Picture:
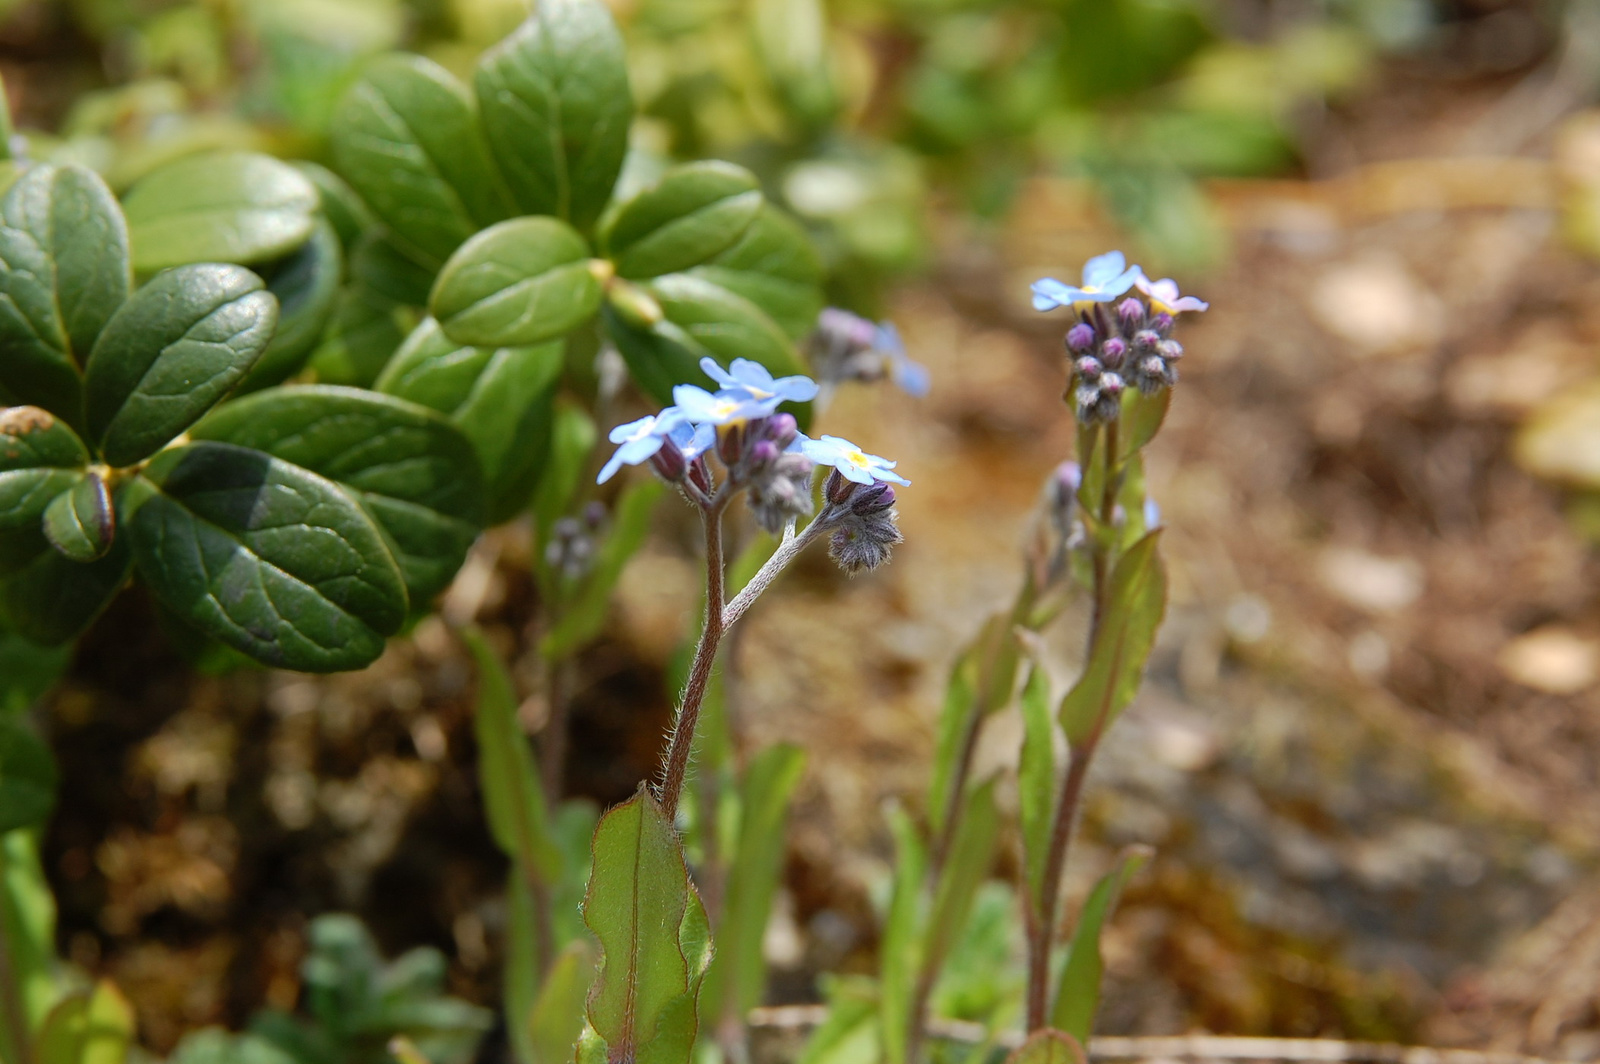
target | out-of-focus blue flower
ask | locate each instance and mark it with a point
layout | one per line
(1152, 515)
(640, 440)
(1164, 297)
(1105, 277)
(727, 406)
(851, 462)
(910, 375)
(755, 379)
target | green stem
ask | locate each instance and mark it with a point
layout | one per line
(15, 1021)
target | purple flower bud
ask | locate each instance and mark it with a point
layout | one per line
(1112, 384)
(730, 443)
(763, 452)
(1080, 338)
(1131, 312)
(594, 515)
(700, 475)
(1113, 350)
(871, 499)
(1171, 350)
(1145, 340)
(782, 429)
(1088, 367)
(1162, 323)
(1069, 475)
(836, 489)
(669, 462)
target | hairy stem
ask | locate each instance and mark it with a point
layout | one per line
(675, 760)
(793, 543)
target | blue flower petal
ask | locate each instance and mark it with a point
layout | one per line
(1102, 268)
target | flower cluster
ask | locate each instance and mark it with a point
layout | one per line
(1113, 348)
(848, 347)
(763, 451)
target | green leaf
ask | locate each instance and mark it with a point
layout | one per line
(980, 683)
(1049, 1047)
(51, 600)
(557, 108)
(63, 272)
(774, 266)
(40, 457)
(900, 950)
(572, 438)
(693, 213)
(340, 205)
(415, 474)
(654, 940)
(236, 206)
(1136, 601)
(850, 1033)
(92, 1026)
(500, 398)
(306, 285)
(79, 522)
(517, 283)
(406, 138)
(556, 1019)
(171, 353)
(213, 1045)
(366, 330)
(27, 923)
(1078, 996)
(381, 266)
(972, 852)
(583, 619)
(1142, 416)
(1036, 782)
(27, 777)
(738, 976)
(269, 558)
(27, 671)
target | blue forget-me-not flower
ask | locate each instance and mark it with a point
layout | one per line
(640, 440)
(757, 381)
(1105, 277)
(851, 461)
(1164, 297)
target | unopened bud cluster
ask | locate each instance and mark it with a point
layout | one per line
(571, 548)
(866, 525)
(1111, 352)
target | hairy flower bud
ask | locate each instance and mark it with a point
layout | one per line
(1131, 313)
(1112, 350)
(864, 542)
(1145, 340)
(782, 429)
(1171, 350)
(781, 491)
(1162, 323)
(669, 462)
(763, 453)
(872, 498)
(1112, 384)
(1080, 338)
(836, 489)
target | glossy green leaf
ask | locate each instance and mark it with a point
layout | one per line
(27, 777)
(235, 206)
(581, 622)
(63, 272)
(340, 205)
(51, 600)
(774, 266)
(900, 949)
(79, 522)
(91, 1026)
(654, 939)
(405, 136)
(171, 353)
(1049, 1047)
(267, 557)
(366, 330)
(556, 1019)
(306, 285)
(500, 398)
(693, 213)
(971, 856)
(40, 457)
(382, 266)
(415, 474)
(27, 923)
(1136, 601)
(517, 283)
(1078, 995)
(738, 976)
(27, 670)
(1036, 778)
(557, 108)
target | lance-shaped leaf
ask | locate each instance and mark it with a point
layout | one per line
(90, 1026)
(408, 465)
(267, 557)
(500, 398)
(654, 939)
(40, 457)
(51, 600)
(517, 283)
(693, 213)
(306, 285)
(1049, 1047)
(582, 620)
(737, 977)
(966, 866)
(79, 522)
(1078, 995)
(900, 950)
(1036, 779)
(235, 206)
(1136, 601)
(406, 137)
(63, 272)
(28, 922)
(850, 1034)
(980, 683)
(171, 353)
(556, 109)
(27, 776)
(774, 266)
(1142, 418)
(556, 1019)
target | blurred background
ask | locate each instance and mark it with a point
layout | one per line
(1368, 753)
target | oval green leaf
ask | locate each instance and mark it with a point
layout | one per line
(366, 329)
(27, 777)
(51, 600)
(556, 109)
(517, 283)
(266, 557)
(306, 285)
(774, 266)
(79, 522)
(171, 353)
(234, 206)
(40, 457)
(413, 471)
(406, 138)
(691, 214)
(380, 265)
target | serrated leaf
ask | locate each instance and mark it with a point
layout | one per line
(556, 109)
(408, 465)
(405, 136)
(171, 353)
(51, 600)
(900, 950)
(1049, 1047)
(738, 976)
(63, 272)
(79, 522)
(306, 285)
(652, 932)
(1036, 778)
(93, 1026)
(971, 856)
(500, 398)
(40, 457)
(517, 283)
(556, 1019)
(27, 777)
(693, 213)
(267, 557)
(236, 206)
(585, 616)
(1078, 995)
(1136, 601)
(774, 266)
